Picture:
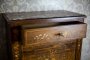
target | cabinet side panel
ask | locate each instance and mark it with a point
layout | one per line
(3, 40)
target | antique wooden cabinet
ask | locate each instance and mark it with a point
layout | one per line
(45, 35)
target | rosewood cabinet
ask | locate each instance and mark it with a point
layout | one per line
(45, 35)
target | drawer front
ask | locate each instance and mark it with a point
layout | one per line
(45, 37)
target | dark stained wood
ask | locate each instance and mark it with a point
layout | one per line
(5, 52)
(28, 28)
(45, 21)
(22, 18)
(3, 47)
(42, 15)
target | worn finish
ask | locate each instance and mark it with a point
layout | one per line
(18, 19)
(43, 37)
(42, 14)
(56, 35)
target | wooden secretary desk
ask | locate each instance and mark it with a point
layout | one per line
(45, 35)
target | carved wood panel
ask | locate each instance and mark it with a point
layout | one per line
(65, 51)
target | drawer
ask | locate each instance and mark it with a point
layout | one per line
(35, 38)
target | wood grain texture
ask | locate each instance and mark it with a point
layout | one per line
(43, 37)
(78, 49)
(66, 51)
(46, 35)
(45, 40)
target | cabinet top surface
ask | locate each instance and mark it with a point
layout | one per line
(41, 15)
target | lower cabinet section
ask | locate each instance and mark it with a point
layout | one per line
(66, 51)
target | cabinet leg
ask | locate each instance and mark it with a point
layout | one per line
(78, 49)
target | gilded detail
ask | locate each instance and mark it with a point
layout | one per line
(16, 51)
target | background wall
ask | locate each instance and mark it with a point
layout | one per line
(80, 6)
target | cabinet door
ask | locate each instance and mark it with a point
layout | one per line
(64, 51)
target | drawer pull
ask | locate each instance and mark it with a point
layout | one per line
(59, 34)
